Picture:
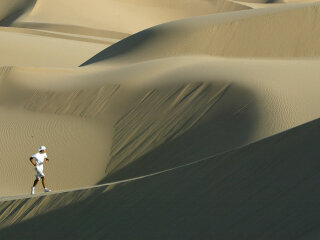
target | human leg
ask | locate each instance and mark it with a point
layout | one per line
(44, 185)
(43, 182)
(35, 182)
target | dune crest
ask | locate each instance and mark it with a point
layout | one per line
(263, 33)
(184, 119)
(257, 178)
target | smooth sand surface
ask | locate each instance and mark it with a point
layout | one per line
(267, 190)
(205, 111)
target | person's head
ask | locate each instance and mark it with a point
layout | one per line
(42, 149)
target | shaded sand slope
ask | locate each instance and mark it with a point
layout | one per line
(256, 103)
(131, 124)
(267, 190)
(286, 31)
(146, 109)
(26, 95)
(117, 119)
(10, 10)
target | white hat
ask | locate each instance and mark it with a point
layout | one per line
(42, 148)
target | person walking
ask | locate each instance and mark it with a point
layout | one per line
(38, 160)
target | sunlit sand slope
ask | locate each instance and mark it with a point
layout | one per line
(267, 190)
(283, 32)
(184, 119)
(122, 16)
(129, 124)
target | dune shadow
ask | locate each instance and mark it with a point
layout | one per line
(229, 123)
(122, 47)
(8, 20)
(267, 190)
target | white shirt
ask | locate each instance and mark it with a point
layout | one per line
(40, 157)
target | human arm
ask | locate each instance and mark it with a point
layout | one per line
(32, 161)
(47, 159)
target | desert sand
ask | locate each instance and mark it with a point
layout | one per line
(185, 119)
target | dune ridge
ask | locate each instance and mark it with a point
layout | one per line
(271, 189)
(186, 119)
(252, 108)
(225, 35)
(11, 10)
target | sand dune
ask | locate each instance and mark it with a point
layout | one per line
(270, 3)
(37, 50)
(62, 32)
(235, 194)
(114, 15)
(263, 33)
(11, 10)
(207, 112)
(226, 109)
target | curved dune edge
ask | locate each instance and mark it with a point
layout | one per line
(135, 15)
(66, 34)
(11, 10)
(99, 22)
(225, 199)
(203, 127)
(251, 107)
(278, 32)
(203, 108)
